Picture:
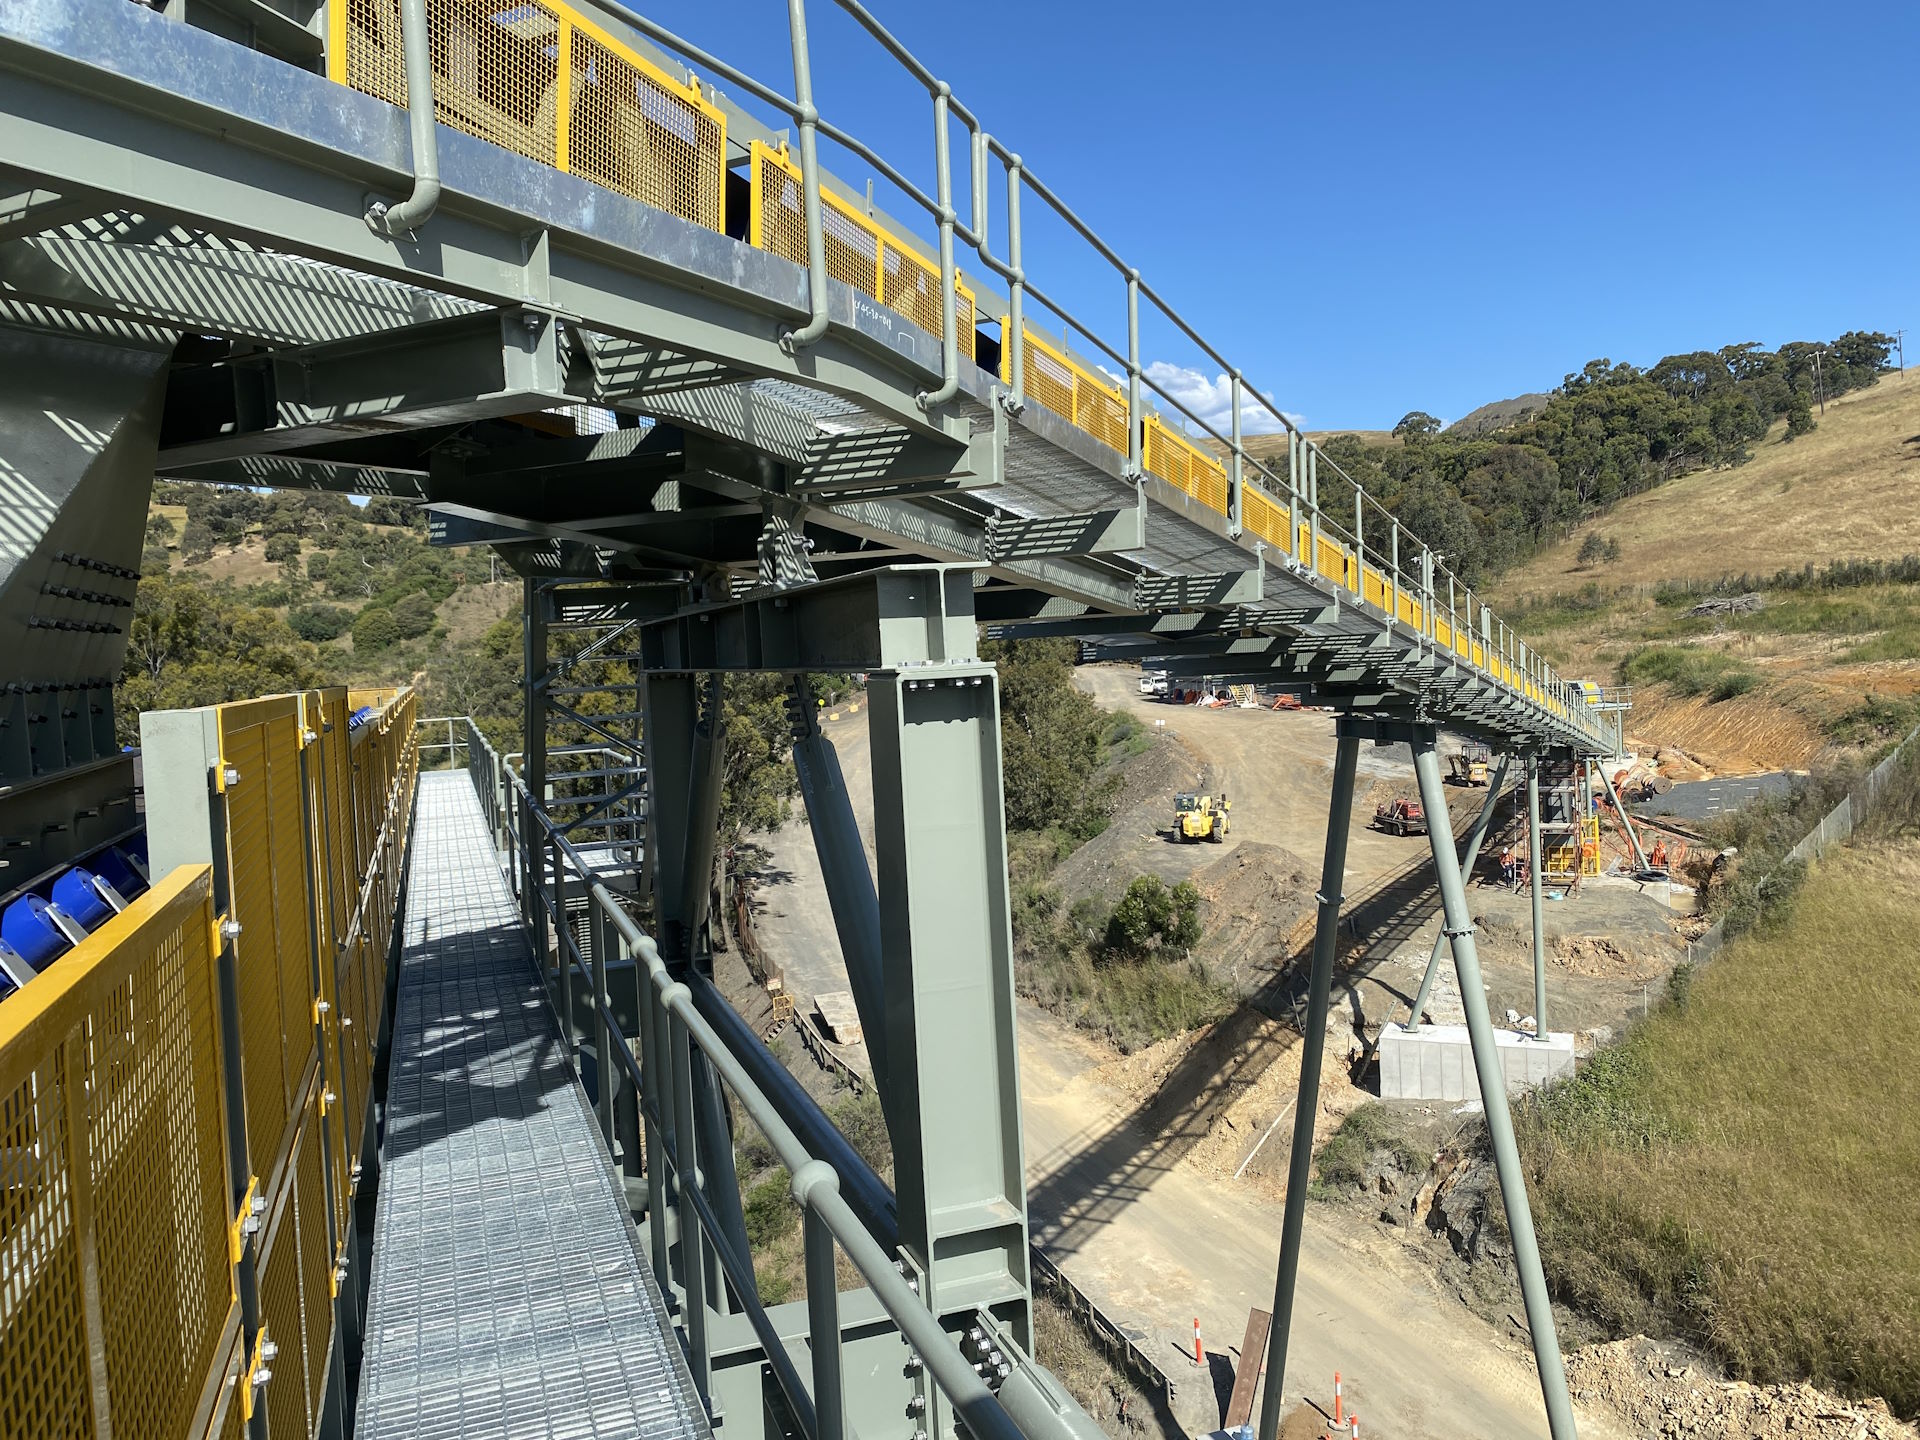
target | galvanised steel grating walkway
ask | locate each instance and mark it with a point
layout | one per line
(509, 1296)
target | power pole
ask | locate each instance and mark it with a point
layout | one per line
(1819, 390)
(1900, 344)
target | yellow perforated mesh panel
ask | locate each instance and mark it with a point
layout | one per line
(316, 1259)
(636, 132)
(285, 1393)
(243, 745)
(1260, 515)
(607, 115)
(1069, 391)
(1183, 465)
(43, 1360)
(292, 923)
(858, 251)
(111, 1122)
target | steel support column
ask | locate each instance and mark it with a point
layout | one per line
(1326, 931)
(684, 755)
(946, 938)
(1626, 820)
(843, 865)
(1474, 841)
(1533, 891)
(1493, 1092)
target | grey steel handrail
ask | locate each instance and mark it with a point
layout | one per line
(422, 122)
(1423, 576)
(672, 1019)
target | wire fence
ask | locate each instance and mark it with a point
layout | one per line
(1836, 827)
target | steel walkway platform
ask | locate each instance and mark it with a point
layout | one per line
(509, 1296)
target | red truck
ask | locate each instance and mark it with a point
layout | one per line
(1402, 817)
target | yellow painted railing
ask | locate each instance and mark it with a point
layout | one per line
(544, 81)
(1067, 388)
(859, 252)
(1183, 465)
(113, 1217)
(118, 1235)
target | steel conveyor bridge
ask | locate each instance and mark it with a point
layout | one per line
(603, 307)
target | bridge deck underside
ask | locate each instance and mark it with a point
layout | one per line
(509, 1297)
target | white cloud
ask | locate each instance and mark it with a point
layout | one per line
(1212, 400)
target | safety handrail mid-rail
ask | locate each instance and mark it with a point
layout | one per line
(671, 1023)
(1491, 644)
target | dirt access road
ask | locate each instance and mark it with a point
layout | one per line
(1156, 1242)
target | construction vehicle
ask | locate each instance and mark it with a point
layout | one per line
(1401, 817)
(1201, 817)
(1469, 765)
(1153, 682)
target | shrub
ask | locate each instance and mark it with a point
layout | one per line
(374, 629)
(1150, 917)
(1343, 1160)
(413, 616)
(196, 542)
(283, 547)
(319, 623)
(1689, 670)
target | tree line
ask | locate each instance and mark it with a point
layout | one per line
(1489, 501)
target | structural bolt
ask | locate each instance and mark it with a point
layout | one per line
(322, 1006)
(916, 1403)
(229, 929)
(269, 1350)
(261, 1377)
(232, 776)
(914, 1362)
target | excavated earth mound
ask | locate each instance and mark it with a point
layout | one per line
(1662, 1394)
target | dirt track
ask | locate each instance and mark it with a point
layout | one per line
(1154, 1238)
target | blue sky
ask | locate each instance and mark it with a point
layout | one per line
(1373, 208)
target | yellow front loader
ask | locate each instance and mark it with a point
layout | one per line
(1201, 817)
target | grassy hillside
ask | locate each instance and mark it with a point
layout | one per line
(1737, 1171)
(247, 593)
(1850, 489)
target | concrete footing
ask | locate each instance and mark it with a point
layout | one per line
(1435, 1062)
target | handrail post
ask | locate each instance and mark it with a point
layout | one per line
(1294, 443)
(949, 303)
(1359, 543)
(1236, 521)
(809, 116)
(1313, 505)
(693, 1245)
(823, 1301)
(1014, 341)
(1393, 615)
(1135, 433)
(417, 53)
(599, 933)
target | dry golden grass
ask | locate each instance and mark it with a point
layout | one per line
(471, 610)
(1849, 490)
(244, 566)
(1739, 1170)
